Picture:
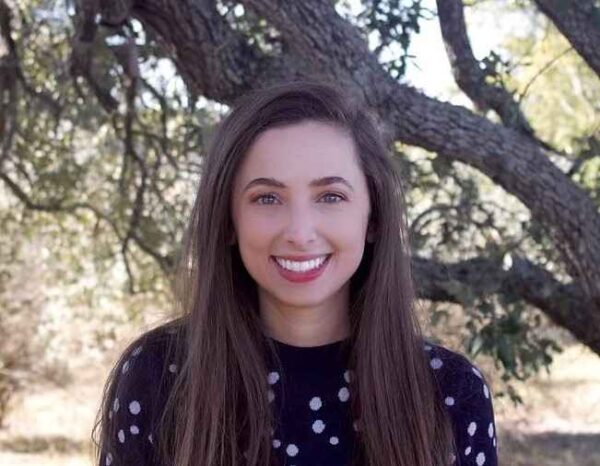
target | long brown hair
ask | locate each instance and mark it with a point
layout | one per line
(217, 412)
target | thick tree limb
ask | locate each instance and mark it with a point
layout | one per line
(579, 22)
(217, 62)
(12, 81)
(9, 64)
(467, 72)
(82, 57)
(316, 33)
(536, 286)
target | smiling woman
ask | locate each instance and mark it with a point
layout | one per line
(320, 210)
(297, 341)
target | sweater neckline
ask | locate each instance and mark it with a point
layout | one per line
(312, 357)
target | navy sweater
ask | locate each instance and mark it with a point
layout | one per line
(311, 398)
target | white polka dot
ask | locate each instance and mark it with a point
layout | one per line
(344, 394)
(347, 376)
(334, 440)
(427, 347)
(315, 403)
(137, 351)
(291, 450)
(472, 428)
(480, 458)
(318, 426)
(452, 458)
(276, 443)
(121, 436)
(150, 438)
(270, 395)
(494, 441)
(476, 372)
(486, 392)
(273, 377)
(449, 401)
(125, 367)
(436, 363)
(134, 407)
(109, 459)
(491, 430)
(173, 368)
(467, 451)
(134, 429)
(116, 405)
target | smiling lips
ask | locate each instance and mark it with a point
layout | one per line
(301, 271)
(304, 264)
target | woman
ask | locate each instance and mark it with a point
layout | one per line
(297, 341)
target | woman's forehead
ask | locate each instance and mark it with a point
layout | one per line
(302, 150)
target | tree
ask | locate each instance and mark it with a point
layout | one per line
(97, 82)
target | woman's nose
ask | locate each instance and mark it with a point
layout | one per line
(300, 227)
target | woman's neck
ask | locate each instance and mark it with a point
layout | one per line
(306, 326)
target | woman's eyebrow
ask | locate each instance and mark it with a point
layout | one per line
(318, 182)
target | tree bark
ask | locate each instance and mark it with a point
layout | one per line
(217, 62)
(536, 286)
(579, 22)
(317, 34)
(468, 74)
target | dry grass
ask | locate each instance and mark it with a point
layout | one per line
(558, 426)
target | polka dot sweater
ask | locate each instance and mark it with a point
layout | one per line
(310, 395)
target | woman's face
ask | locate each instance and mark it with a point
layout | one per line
(300, 192)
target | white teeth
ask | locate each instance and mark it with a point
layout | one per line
(301, 266)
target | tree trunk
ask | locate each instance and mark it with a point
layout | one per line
(217, 62)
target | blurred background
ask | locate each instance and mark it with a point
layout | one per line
(105, 111)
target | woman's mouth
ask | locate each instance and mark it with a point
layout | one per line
(301, 271)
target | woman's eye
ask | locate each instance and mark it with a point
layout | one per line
(341, 198)
(266, 199)
(264, 196)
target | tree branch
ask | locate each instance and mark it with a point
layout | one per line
(318, 35)
(579, 22)
(9, 64)
(468, 74)
(81, 61)
(218, 63)
(536, 286)
(166, 263)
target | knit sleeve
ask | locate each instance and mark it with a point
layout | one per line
(468, 400)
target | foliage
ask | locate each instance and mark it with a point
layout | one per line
(111, 188)
(388, 26)
(21, 300)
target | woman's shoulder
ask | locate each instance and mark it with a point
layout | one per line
(468, 399)
(450, 364)
(150, 355)
(458, 377)
(146, 369)
(155, 342)
(140, 383)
